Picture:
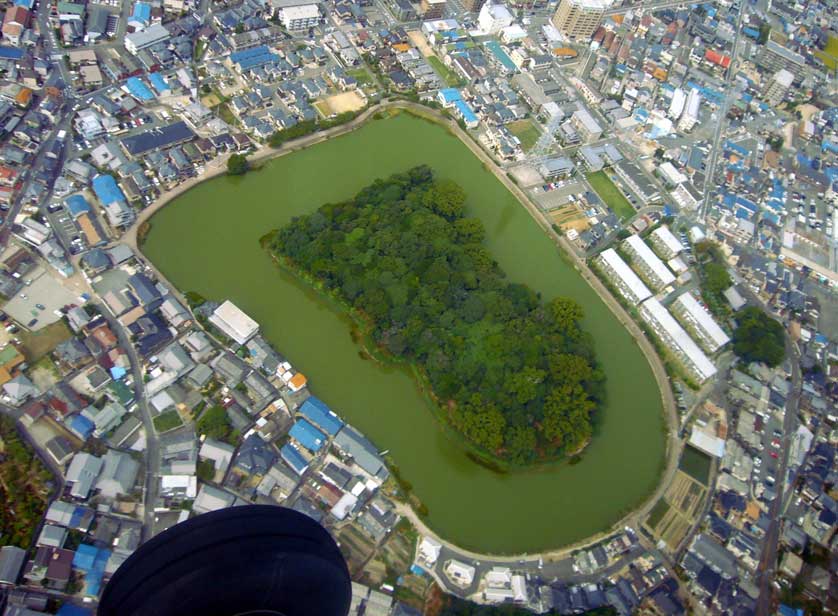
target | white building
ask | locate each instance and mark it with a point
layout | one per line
(691, 108)
(696, 318)
(459, 573)
(233, 322)
(665, 242)
(303, 17)
(502, 586)
(622, 276)
(137, 41)
(709, 444)
(179, 486)
(212, 499)
(676, 105)
(585, 124)
(119, 473)
(678, 340)
(671, 175)
(83, 471)
(429, 550)
(493, 18)
(655, 270)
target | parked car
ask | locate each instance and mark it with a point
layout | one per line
(40, 307)
(32, 323)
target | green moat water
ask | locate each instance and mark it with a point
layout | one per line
(207, 240)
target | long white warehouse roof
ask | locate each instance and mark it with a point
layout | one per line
(668, 239)
(639, 290)
(232, 321)
(660, 315)
(704, 320)
(651, 260)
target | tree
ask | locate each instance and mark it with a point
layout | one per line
(446, 198)
(764, 33)
(566, 312)
(206, 470)
(775, 142)
(237, 164)
(758, 337)
(716, 278)
(412, 270)
(215, 423)
(520, 444)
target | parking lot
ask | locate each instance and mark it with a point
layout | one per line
(38, 303)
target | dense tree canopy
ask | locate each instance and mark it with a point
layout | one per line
(758, 337)
(515, 376)
(215, 423)
(237, 164)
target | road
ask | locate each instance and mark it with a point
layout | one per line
(768, 562)
(152, 451)
(709, 179)
(656, 5)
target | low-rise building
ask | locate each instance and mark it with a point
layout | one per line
(697, 319)
(233, 322)
(647, 262)
(676, 339)
(665, 242)
(621, 276)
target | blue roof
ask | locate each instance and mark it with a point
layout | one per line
(117, 372)
(11, 53)
(465, 111)
(255, 56)
(501, 55)
(142, 12)
(139, 89)
(85, 557)
(449, 95)
(158, 83)
(107, 190)
(293, 458)
(68, 609)
(307, 435)
(729, 145)
(78, 514)
(81, 425)
(316, 411)
(77, 205)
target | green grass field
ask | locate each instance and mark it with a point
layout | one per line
(361, 75)
(830, 54)
(450, 77)
(526, 131)
(38, 343)
(167, 421)
(696, 464)
(610, 194)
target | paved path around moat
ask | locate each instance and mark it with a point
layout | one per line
(673, 445)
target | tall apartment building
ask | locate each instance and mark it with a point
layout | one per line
(585, 124)
(578, 19)
(777, 87)
(432, 9)
(775, 55)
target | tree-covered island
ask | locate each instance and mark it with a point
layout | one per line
(515, 376)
